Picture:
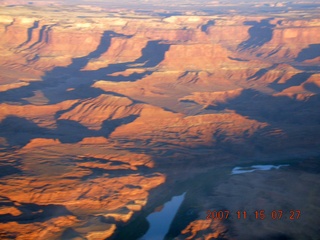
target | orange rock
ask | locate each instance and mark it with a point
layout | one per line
(38, 142)
(7, 87)
(206, 229)
(97, 235)
(44, 116)
(94, 140)
(10, 210)
(212, 98)
(92, 112)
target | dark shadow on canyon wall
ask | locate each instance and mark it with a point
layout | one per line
(311, 52)
(31, 212)
(273, 109)
(43, 36)
(295, 80)
(152, 54)
(108, 126)
(20, 131)
(297, 120)
(78, 63)
(97, 172)
(55, 84)
(260, 73)
(260, 33)
(312, 87)
(70, 233)
(7, 170)
(29, 33)
(205, 27)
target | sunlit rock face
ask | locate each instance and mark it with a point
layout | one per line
(109, 112)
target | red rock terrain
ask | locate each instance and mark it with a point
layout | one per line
(105, 113)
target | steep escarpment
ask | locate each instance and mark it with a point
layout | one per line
(54, 38)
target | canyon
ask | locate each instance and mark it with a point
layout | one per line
(107, 111)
